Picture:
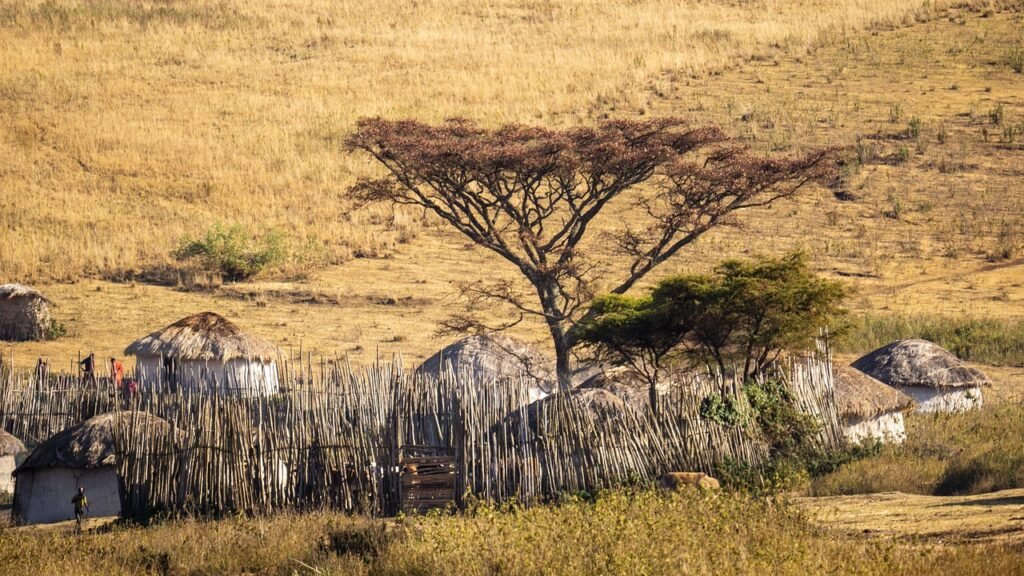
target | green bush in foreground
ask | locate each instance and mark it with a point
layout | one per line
(619, 532)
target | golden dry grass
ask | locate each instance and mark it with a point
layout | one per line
(617, 533)
(991, 517)
(128, 126)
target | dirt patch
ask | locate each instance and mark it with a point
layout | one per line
(994, 517)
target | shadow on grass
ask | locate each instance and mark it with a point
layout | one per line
(997, 501)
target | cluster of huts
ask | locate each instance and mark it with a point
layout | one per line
(206, 352)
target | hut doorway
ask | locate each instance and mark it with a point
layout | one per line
(170, 373)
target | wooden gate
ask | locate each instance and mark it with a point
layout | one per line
(427, 478)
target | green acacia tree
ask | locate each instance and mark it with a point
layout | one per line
(754, 310)
(745, 313)
(639, 332)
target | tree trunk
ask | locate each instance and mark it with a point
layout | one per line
(562, 349)
(652, 393)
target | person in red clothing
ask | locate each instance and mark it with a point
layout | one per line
(117, 372)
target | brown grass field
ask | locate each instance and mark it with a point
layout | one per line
(126, 128)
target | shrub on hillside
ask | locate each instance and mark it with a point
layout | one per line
(233, 251)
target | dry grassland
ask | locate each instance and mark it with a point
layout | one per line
(617, 533)
(127, 126)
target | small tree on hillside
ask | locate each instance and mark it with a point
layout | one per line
(638, 332)
(747, 312)
(531, 194)
(750, 312)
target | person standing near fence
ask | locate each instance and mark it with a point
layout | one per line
(42, 371)
(117, 373)
(88, 365)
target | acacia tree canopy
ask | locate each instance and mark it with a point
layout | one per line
(637, 331)
(531, 194)
(746, 312)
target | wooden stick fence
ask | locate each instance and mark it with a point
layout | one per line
(337, 438)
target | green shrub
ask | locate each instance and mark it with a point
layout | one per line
(785, 429)
(233, 251)
(55, 330)
(914, 128)
(722, 409)
(996, 114)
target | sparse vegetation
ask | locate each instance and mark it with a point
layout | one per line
(1015, 58)
(232, 250)
(981, 340)
(945, 454)
(618, 532)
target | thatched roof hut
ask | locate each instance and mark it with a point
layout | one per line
(861, 397)
(83, 455)
(10, 447)
(89, 444)
(623, 382)
(498, 357)
(206, 351)
(867, 408)
(920, 363)
(936, 379)
(593, 406)
(24, 313)
(204, 337)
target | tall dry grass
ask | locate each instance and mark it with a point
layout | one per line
(618, 533)
(970, 453)
(128, 125)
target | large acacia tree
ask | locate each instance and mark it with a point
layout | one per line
(531, 195)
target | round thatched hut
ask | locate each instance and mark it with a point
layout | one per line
(589, 407)
(496, 357)
(206, 352)
(84, 455)
(868, 409)
(10, 447)
(24, 313)
(934, 378)
(627, 384)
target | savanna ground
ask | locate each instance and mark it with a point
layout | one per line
(126, 126)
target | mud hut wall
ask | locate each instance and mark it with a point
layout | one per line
(7, 466)
(887, 427)
(944, 399)
(236, 376)
(43, 495)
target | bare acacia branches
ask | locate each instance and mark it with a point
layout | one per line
(530, 194)
(700, 195)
